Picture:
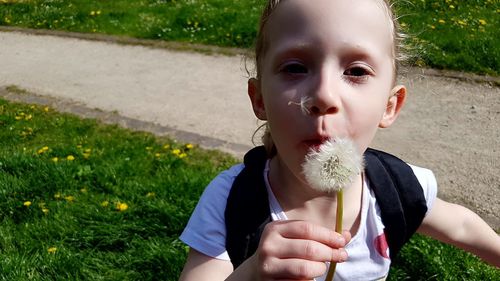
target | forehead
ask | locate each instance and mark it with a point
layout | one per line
(363, 23)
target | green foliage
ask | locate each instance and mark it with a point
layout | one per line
(451, 34)
(84, 201)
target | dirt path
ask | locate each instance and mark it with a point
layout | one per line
(449, 125)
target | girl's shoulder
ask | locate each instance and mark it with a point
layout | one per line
(206, 229)
(428, 182)
(224, 180)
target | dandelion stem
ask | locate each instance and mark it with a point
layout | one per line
(338, 228)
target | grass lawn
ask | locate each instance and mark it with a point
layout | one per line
(80, 200)
(448, 34)
(85, 201)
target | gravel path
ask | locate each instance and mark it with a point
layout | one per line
(450, 125)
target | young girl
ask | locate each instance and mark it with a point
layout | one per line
(326, 69)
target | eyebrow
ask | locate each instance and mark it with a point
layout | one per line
(347, 51)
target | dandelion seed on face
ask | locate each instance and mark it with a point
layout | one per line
(304, 105)
(334, 166)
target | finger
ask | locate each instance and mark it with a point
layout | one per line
(347, 235)
(307, 250)
(309, 231)
(295, 269)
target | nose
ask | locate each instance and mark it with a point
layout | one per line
(324, 97)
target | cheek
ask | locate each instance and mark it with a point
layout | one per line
(365, 116)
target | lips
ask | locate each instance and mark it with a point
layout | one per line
(316, 143)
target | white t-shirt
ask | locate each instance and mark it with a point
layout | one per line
(367, 250)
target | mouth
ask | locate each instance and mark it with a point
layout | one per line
(315, 143)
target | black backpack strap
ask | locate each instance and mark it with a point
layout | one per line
(247, 210)
(399, 195)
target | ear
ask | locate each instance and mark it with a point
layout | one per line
(256, 98)
(394, 105)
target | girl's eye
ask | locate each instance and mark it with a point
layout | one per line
(294, 68)
(357, 72)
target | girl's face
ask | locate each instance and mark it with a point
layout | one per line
(337, 54)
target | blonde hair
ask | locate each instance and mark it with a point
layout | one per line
(399, 52)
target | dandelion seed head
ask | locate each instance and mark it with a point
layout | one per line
(334, 166)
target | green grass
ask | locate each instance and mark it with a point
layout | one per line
(426, 259)
(73, 206)
(448, 34)
(65, 183)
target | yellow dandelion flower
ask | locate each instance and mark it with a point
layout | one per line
(57, 196)
(176, 151)
(452, 7)
(27, 203)
(46, 109)
(92, 13)
(55, 159)
(461, 22)
(43, 150)
(433, 27)
(182, 155)
(69, 198)
(98, 12)
(52, 250)
(441, 21)
(18, 117)
(70, 158)
(28, 117)
(157, 155)
(105, 203)
(150, 194)
(189, 146)
(482, 22)
(45, 210)
(121, 206)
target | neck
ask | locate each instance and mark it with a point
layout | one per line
(301, 202)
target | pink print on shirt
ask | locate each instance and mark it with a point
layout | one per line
(380, 243)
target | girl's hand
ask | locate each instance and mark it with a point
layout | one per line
(298, 250)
